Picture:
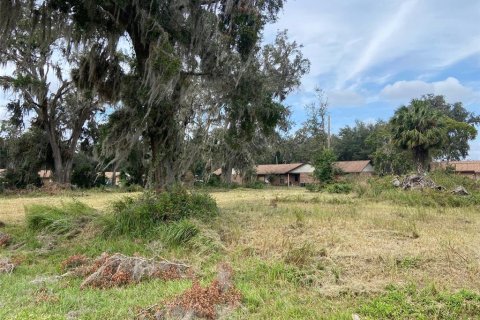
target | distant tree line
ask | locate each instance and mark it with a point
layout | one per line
(428, 128)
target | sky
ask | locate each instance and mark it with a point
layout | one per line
(370, 56)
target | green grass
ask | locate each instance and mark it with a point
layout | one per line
(413, 303)
(58, 219)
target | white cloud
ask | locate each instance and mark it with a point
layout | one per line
(451, 88)
(382, 35)
(350, 41)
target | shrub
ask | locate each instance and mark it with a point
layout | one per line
(255, 185)
(140, 216)
(323, 163)
(338, 188)
(313, 187)
(58, 220)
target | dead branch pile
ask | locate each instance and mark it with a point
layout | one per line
(414, 181)
(460, 191)
(5, 239)
(199, 302)
(116, 270)
(6, 265)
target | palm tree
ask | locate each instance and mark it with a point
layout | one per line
(420, 129)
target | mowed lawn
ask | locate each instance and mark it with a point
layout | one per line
(296, 254)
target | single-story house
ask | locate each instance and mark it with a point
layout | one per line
(469, 169)
(46, 176)
(359, 167)
(299, 174)
(279, 174)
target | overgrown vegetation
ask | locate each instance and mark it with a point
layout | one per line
(381, 188)
(145, 214)
(60, 220)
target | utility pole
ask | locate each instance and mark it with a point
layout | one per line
(328, 137)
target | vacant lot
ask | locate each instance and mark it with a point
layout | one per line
(296, 255)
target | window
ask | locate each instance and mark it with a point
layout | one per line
(297, 177)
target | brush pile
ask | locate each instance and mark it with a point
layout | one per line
(416, 182)
(5, 240)
(210, 302)
(117, 270)
(6, 265)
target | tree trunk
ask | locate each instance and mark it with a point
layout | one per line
(421, 158)
(114, 175)
(227, 173)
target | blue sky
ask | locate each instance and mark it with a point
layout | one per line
(372, 56)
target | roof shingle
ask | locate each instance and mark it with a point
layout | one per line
(352, 166)
(264, 169)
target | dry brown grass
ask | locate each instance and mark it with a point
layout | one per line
(12, 209)
(362, 246)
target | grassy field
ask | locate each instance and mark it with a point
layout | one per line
(296, 255)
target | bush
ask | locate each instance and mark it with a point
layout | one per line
(313, 187)
(338, 188)
(140, 216)
(255, 185)
(324, 166)
(58, 220)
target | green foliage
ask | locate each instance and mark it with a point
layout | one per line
(255, 185)
(141, 216)
(58, 220)
(25, 153)
(418, 128)
(324, 169)
(426, 129)
(313, 187)
(428, 303)
(178, 232)
(352, 142)
(84, 173)
(215, 182)
(340, 187)
(456, 144)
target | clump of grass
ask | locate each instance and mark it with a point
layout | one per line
(300, 256)
(407, 262)
(412, 303)
(58, 219)
(139, 217)
(178, 232)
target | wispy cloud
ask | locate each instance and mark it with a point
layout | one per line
(386, 30)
